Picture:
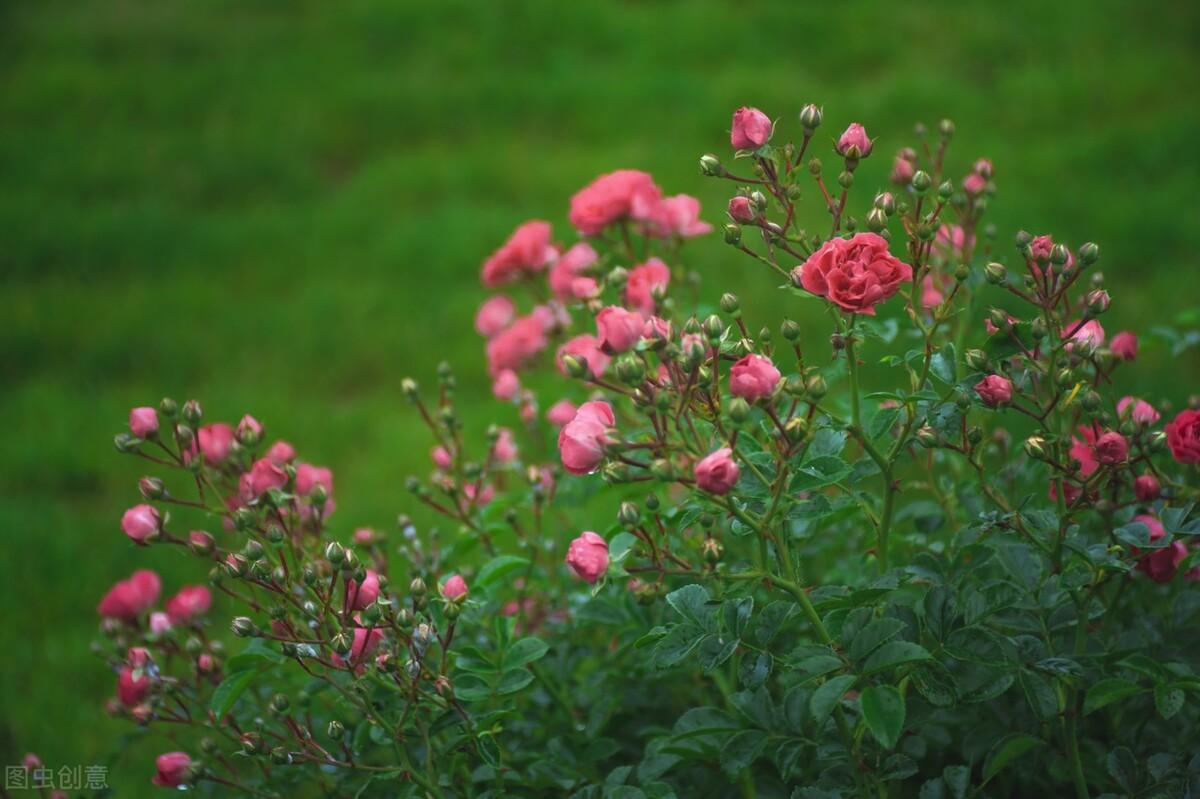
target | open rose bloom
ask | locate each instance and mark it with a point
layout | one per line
(931, 534)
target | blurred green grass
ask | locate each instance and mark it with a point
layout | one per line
(281, 208)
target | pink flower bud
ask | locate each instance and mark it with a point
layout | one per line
(902, 171)
(618, 328)
(215, 442)
(854, 142)
(751, 129)
(130, 689)
(200, 541)
(506, 385)
(1146, 488)
(1112, 448)
(586, 348)
(1125, 345)
(143, 422)
(160, 623)
(249, 429)
(588, 556)
(263, 476)
(205, 663)
(741, 210)
(505, 448)
(138, 657)
(455, 587)
(281, 453)
(753, 377)
(1140, 411)
(441, 458)
(974, 184)
(190, 602)
(494, 315)
(172, 769)
(364, 536)
(140, 522)
(481, 496)
(358, 597)
(129, 598)
(31, 762)
(717, 473)
(581, 441)
(644, 283)
(561, 412)
(1160, 565)
(994, 390)
(983, 168)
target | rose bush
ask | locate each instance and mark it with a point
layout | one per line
(938, 553)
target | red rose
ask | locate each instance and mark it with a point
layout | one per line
(1183, 436)
(856, 274)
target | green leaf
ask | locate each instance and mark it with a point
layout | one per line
(895, 653)
(883, 421)
(957, 779)
(257, 653)
(715, 650)
(883, 711)
(526, 650)
(513, 681)
(1106, 692)
(1006, 750)
(942, 364)
(826, 697)
(1168, 699)
(230, 689)
(742, 750)
(497, 569)
(691, 602)
(620, 546)
(677, 644)
(1122, 766)
(874, 635)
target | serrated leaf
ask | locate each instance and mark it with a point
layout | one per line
(957, 779)
(1106, 692)
(691, 602)
(1006, 750)
(883, 711)
(1122, 766)
(526, 650)
(1168, 700)
(874, 635)
(895, 653)
(740, 751)
(232, 687)
(826, 697)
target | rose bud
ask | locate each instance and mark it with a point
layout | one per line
(160, 623)
(974, 184)
(1160, 565)
(454, 588)
(854, 143)
(1146, 488)
(131, 689)
(1125, 345)
(717, 473)
(1141, 412)
(494, 315)
(902, 171)
(1183, 436)
(588, 556)
(173, 769)
(753, 377)
(1112, 448)
(215, 441)
(191, 601)
(138, 657)
(143, 422)
(249, 430)
(581, 441)
(741, 210)
(561, 412)
(506, 385)
(205, 663)
(359, 596)
(751, 129)
(200, 542)
(281, 453)
(140, 523)
(619, 329)
(994, 390)
(129, 598)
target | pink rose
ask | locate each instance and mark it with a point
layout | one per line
(160, 623)
(561, 412)
(994, 390)
(587, 348)
(143, 422)
(308, 477)
(856, 274)
(131, 690)
(854, 142)
(931, 292)
(677, 216)
(140, 522)
(581, 441)
(505, 448)
(263, 476)
(751, 129)
(1125, 345)
(249, 429)
(479, 497)
(215, 441)
(172, 769)
(364, 645)
(1183, 436)
(527, 251)
(624, 194)
(952, 241)
(1160, 565)
(717, 473)
(455, 587)
(131, 597)
(656, 328)
(740, 209)
(281, 453)
(1090, 335)
(358, 597)
(441, 458)
(137, 657)
(191, 601)
(514, 347)
(1112, 448)
(495, 314)
(974, 184)
(1140, 411)
(643, 282)
(753, 377)
(902, 171)
(619, 329)
(1083, 451)
(568, 268)
(588, 556)
(506, 385)
(1146, 488)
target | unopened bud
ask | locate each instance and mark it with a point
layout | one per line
(243, 627)
(729, 303)
(710, 166)
(810, 118)
(733, 234)
(1035, 447)
(192, 412)
(1098, 301)
(335, 553)
(921, 181)
(629, 515)
(817, 387)
(927, 437)
(790, 330)
(796, 428)
(977, 360)
(995, 273)
(876, 220)
(1089, 253)
(739, 410)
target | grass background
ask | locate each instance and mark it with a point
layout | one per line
(281, 208)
